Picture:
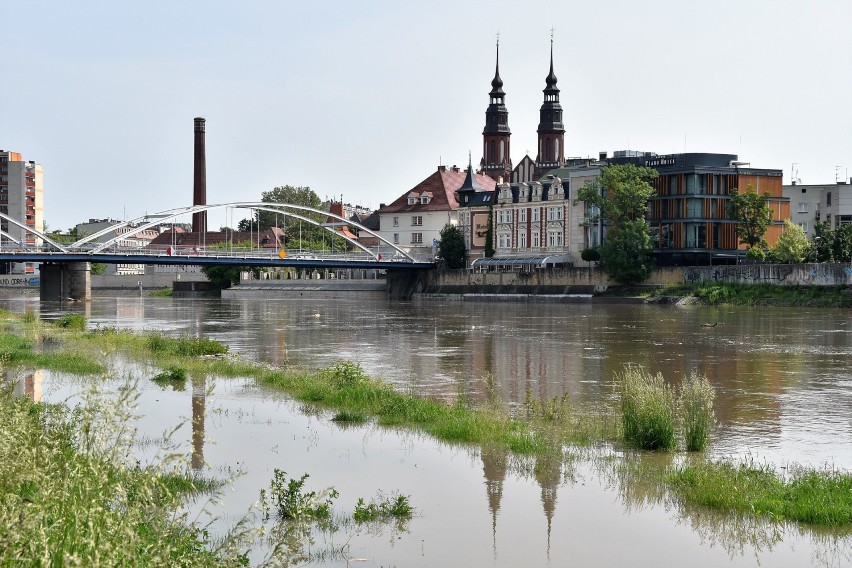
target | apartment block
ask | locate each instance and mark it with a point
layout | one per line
(21, 198)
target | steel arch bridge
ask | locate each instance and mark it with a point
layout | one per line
(88, 249)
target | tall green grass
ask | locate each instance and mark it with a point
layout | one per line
(651, 410)
(696, 402)
(72, 497)
(648, 407)
(807, 496)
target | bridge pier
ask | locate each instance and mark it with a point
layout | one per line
(402, 284)
(66, 281)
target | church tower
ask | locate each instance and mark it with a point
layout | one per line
(496, 161)
(551, 131)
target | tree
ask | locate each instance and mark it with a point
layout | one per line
(304, 196)
(822, 243)
(621, 194)
(626, 252)
(489, 234)
(841, 243)
(451, 246)
(224, 276)
(752, 216)
(792, 245)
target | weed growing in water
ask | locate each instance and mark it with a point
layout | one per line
(72, 321)
(185, 346)
(647, 409)
(346, 374)
(808, 496)
(293, 502)
(171, 376)
(397, 506)
(696, 401)
(349, 416)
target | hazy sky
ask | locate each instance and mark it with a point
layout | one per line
(365, 99)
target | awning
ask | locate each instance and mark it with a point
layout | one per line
(539, 261)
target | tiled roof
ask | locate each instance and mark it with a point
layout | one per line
(442, 185)
(271, 238)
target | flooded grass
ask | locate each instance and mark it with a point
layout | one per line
(540, 429)
(647, 409)
(696, 401)
(721, 293)
(69, 497)
(808, 496)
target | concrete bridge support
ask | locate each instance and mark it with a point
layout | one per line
(66, 281)
(402, 284)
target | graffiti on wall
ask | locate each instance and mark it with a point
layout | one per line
(784, 274)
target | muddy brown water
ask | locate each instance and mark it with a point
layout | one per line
(784, 395)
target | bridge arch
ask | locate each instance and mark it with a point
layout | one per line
(286, 209)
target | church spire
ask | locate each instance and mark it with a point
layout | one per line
(551, 131)
(496, 160)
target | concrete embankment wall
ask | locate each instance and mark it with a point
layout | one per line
(572, 281)
(328, 288)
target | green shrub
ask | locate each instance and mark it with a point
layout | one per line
(185, 346)
(171, 376)
(647, 409)
(383, 507)
(293, 502)
(696, 401)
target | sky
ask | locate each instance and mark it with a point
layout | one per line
(365, 99)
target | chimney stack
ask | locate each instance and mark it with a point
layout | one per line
(199, 178)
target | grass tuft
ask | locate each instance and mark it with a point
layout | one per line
(696, 400)
(647, 409)
(76, 322)
(808, 496)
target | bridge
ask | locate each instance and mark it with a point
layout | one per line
(66, 268)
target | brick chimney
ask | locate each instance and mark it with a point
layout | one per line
(199, 178)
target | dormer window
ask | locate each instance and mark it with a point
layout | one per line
(412, 200)
(425, 198)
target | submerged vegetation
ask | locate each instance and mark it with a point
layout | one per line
(651, 410)
(71, 497)
(651, 414)
(807, 496)
(720, 293)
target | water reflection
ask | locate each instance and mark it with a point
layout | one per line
(28, 385)
(783, 394)
(199, 403)
(637, 478)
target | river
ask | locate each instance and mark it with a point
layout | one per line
(783, 387)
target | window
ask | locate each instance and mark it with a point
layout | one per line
(804, 226)
(417, 238)
(522, 239)
(828, 199)
(693, 208)
(504, 240)
(535, 240)
(412, 200)
(396, 221)
(396, 238)
(416, 220)
(522, 215)
(803, 207)
(536, 215)
(554, 239)
(554, 213)
(695, 183)
(424, 199)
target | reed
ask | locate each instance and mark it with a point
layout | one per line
(696, 402)
(647, 409)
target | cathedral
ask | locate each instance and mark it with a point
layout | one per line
(496, 148)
